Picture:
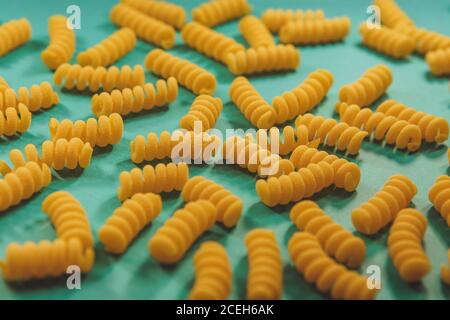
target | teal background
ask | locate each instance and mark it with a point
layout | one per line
(135, 275)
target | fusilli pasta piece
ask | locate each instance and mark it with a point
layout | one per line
(213, 13)
(426, 41)
(3, 84)
(204, 110)
(439, 61)
(445, 271)
(13, 34)
(13, 121)
(255, 32)
(37, 97)
(274, 19)
(392, 16)
(439, 196)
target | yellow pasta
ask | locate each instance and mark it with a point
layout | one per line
(445, 271)
(106, 130)
(37, 97)
(392, 16)
(135, 99)
(62, 43)
(426, 40)
(171, 241)
(211, 43)
(263, 59)
(296, 185)
(438, 61)
(13, 34)
(3, 84)
(128, 220)
(213, 13)
(157, 179)
(329, 276)
(13, 121)
(108, 50)
(316, 31)
(405, 245)
(439, 196)
(382, 127)
(274, 19)
(304, 97)
(213, 274)
(380, 210)
(189, 75)
(229, 206)
(265, 267)
(205, 110)
(146, 28)
(371, 86)
(255, 32)
(76, 77)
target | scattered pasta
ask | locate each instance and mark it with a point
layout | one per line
(213, 13)
(392, 16)
(426, 41)
(445, 271)
(13, 34)
(37, 97)
(439, 61)
(274, 19)
(255, 32)
(13, 121)
(439, 196)
(205, 110)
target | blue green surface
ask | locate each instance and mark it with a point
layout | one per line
(135, 275)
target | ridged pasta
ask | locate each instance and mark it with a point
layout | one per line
(170, 13)
(439, 196)
(251, 103)
(296, 185)
(263, 59)
(382, 127)
(392, 16)
(405, 245)
(211, 43)
(106, 130)
(347, 174)
(329, 276)
(108, 50)
(380, 210)
(171, 241)
(135, 99)
(68, 218)
(265, 267)
(37, 97)
(372, 85)
(31, 260)
(213, 274)
(387, 41)
(332, 133)
(3, 84)
(426, 41)
(76, 77)
(146, 28)
(13, 121)
(154, 179)
(316, 31)
(205, 109)
(445, 271)
(274, 19)
(255, 32)
(438, 61)
(229, 206)
(128, 220)
(304, 97)
(213, 13)
(13, 34)
(189, 75)
(433, 128)
(62, 43)
(22, 183)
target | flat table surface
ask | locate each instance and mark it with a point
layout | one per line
(135, 275)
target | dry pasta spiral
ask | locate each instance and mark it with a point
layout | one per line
(37, 97)
(106, 130)
(205, 110)
(108, 50)
(22, 183)
(76, 77)
(433, 128)
(383, 127)
(251, 103)
(380, 210)
(13, 121)
(135, 99)
(147, 28)
(405, 245)
(263, 59)
(274, 19)
(179, 232)
(296, 185)
(439, 196)
(13, 34)
(128, 220)
(329, 276)
(392, 15)
(372, 85)
(347, 174)
(211, 43)
(304, 97)
(438, 61)
(426, 41)
(316, 31)
(213, 13)
(332, 133)
(157, 179)
(62, 43)
(213, 274)
(445, 271)
(255, 32)
(189, 75)
(229, 206)
(3, 84)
